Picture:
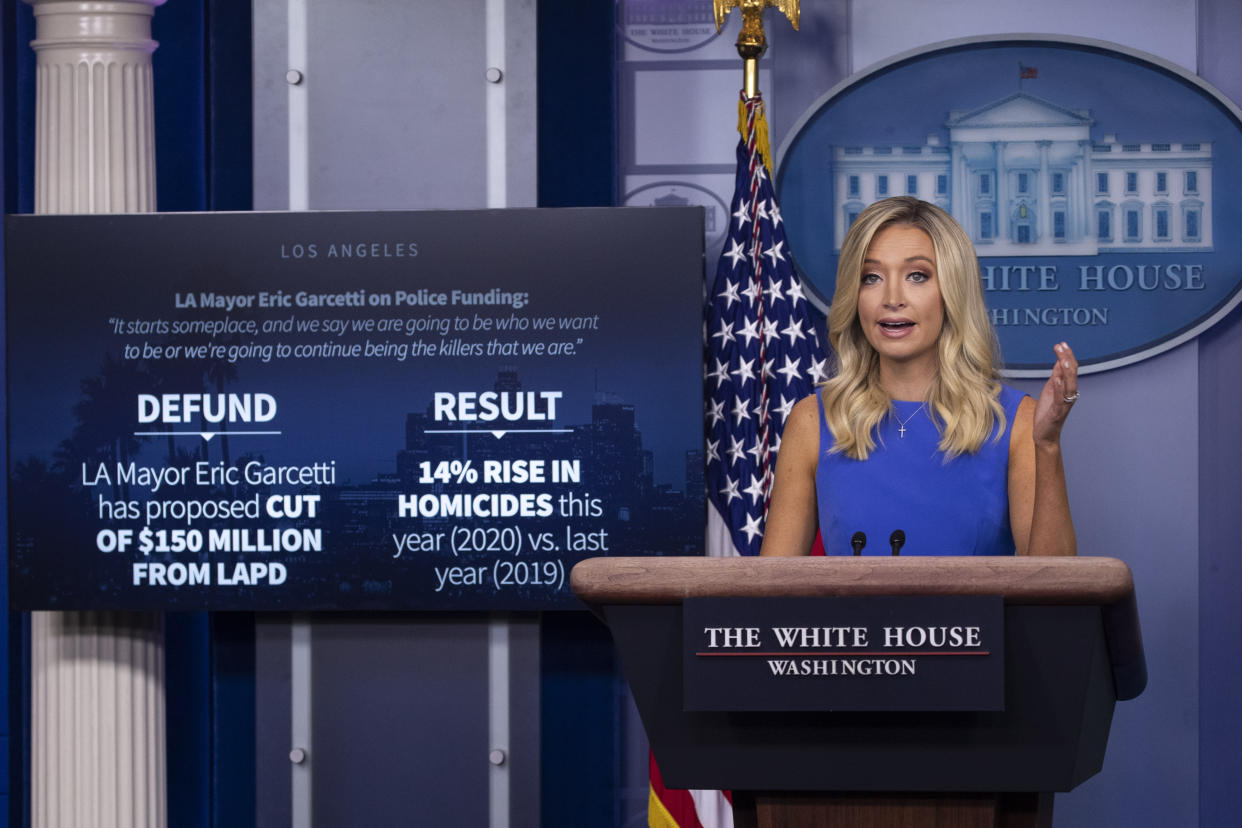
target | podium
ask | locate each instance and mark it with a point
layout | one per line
(1072, 648)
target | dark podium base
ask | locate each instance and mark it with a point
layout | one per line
(1072, 649)
(892, 810)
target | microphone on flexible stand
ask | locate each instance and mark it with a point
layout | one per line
(858, 542)
(897, 540)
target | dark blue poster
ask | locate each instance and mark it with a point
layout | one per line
(297, 411)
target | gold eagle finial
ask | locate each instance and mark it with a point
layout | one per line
(750, 42)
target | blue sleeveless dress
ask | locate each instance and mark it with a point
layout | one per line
(954, 507)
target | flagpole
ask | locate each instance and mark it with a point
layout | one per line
(764, 356)
(750, 73)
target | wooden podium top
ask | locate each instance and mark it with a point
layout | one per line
(1020, 580)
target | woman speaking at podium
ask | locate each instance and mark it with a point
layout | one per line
(915, 431)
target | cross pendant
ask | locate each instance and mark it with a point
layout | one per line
(902, 431)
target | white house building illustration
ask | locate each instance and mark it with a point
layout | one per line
(1025, 178)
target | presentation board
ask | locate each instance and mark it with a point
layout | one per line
(315, 411)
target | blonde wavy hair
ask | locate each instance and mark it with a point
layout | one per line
(963, 397)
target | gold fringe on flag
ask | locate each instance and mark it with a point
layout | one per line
(761, 131)
(658, 816)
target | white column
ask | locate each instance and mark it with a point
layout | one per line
(94, 133)
(1088, 192)
(1045, 193)
(97, 679)
(957, 188)
(1001, 191)
(1073, 204)
(97, 720)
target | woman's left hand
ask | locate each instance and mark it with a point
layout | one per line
(1057, 398)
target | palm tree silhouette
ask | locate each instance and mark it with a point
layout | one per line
(105, 416)
(180, 376)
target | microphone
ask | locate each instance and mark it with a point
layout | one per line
(897, 540)
(858, 542)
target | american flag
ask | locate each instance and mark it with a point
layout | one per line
(763, 354)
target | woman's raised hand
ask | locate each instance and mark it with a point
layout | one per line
(1057, 397)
